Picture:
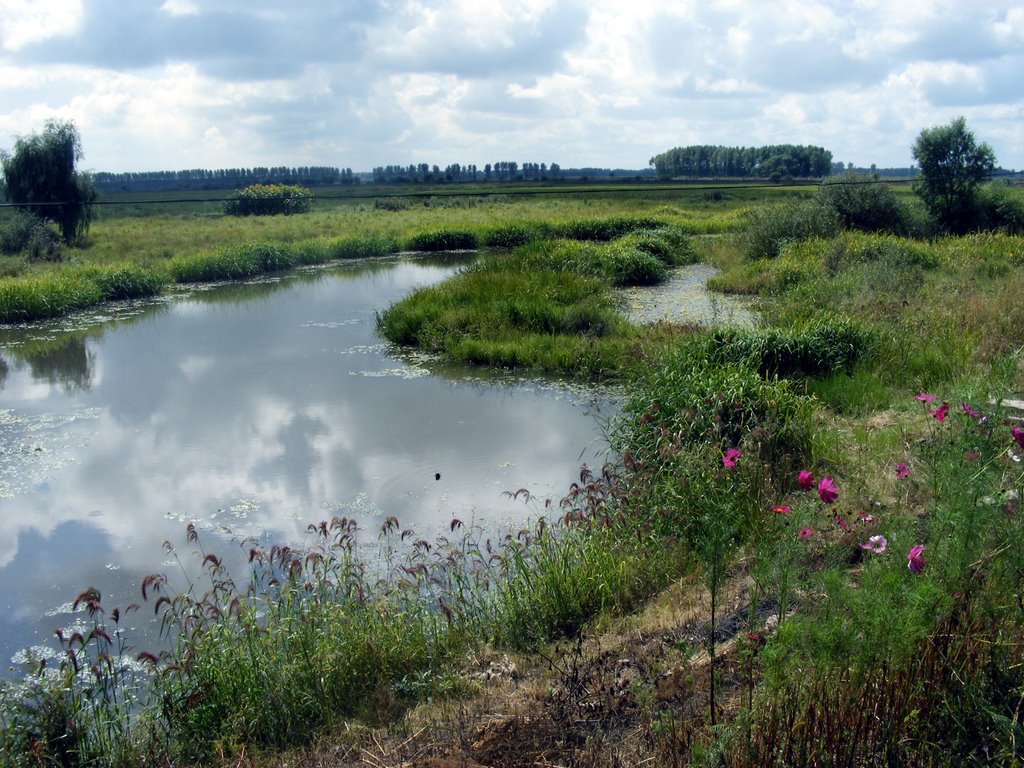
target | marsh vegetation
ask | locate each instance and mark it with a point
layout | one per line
(833, 497)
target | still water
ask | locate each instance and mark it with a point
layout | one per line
(255, 409)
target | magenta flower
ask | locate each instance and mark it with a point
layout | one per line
(781, 509)
(1018, 435)
(968, 410)
(731, 456)
(866, 517)
(805, 479)
(876, 544)
(805, 533)
(902, 470)
(827, 490)
(841, 522)
(941, 412)
(924, 397)
(915, 562)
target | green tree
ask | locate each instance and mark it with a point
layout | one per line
(953, 165)
(40, 177)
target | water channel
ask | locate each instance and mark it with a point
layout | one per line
(250, 409)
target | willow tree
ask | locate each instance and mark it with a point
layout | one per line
(40, 177)
(953, 166)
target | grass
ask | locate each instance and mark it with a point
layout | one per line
(756, 471)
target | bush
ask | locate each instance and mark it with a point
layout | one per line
(769, 228)
(269, 200)
(862, 202)
(16, 232)
(27, 232)
(1001, 209)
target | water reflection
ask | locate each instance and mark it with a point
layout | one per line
(259, 407)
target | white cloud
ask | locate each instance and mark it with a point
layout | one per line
(30, 21)
(400, 81)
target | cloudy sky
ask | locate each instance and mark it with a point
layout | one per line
(170, 84)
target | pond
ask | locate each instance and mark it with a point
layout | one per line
(251, 410)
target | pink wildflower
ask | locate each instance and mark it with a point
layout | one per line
(924, 397)
(941, 412)
(805, 533)
(730, 457)
(781, 509)
(876, 544)
(968, 410)
(915, 562)
(841, 522)
(1018, 435)
(866, 517)
(805, 479)
(827, 490)
(902, 470)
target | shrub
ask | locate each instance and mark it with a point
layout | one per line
(269, 200)
(31, 234)
(769, 228)
(862, 202)
(1001, 208)
(16, 232)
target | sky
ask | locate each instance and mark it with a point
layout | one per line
(178, 84)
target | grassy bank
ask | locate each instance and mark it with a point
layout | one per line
(838, 488)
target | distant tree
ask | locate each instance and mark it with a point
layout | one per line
(953, 165)
(40, 177)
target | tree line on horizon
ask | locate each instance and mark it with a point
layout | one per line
(222, 178)
(417, 173)
(768, 162)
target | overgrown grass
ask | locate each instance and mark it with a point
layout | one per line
(546, 306)
(777, 455)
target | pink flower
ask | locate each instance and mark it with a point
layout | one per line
(805, 533)
(842, 523)
(781, 509)
(902, 470)
(941, 412)
(1018, 435)
(866, 517)
(915, 562)
(805, 479)
(876, 544)
(827, 490)
(968, 410)
(731, 456)
(924, 397)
